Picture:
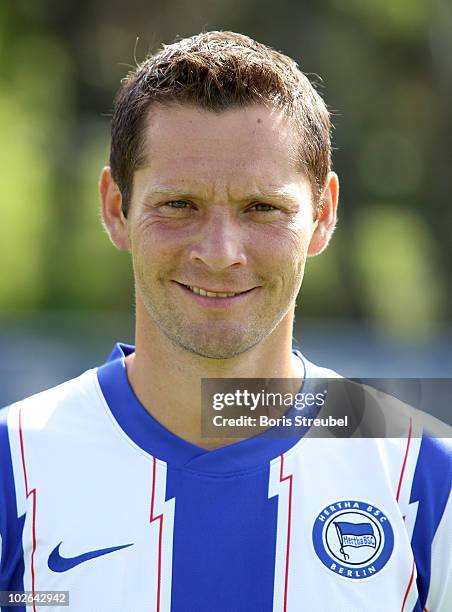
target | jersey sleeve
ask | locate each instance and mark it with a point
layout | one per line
(11, 525)
(432, 534)
(440, 595)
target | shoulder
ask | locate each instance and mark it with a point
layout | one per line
(49, 411)
(400, 419)
(37, 428)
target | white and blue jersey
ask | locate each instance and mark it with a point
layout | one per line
(98, 499)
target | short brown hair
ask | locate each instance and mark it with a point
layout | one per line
(217, 71)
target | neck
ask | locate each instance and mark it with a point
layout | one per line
(166, 378)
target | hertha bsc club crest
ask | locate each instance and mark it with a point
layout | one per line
(353, 539)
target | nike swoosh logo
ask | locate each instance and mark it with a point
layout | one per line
(57, 563)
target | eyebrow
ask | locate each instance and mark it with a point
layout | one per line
(271, 194)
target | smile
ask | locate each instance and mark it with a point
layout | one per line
(216, 296)
(212, 294)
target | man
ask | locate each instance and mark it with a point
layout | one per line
(220, 186)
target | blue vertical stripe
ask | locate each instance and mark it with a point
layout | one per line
(11, 527)
(224, 542)
(431, 488)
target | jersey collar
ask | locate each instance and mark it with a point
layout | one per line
(152, 437)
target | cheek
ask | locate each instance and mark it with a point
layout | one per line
(283, 248)
(158, 241)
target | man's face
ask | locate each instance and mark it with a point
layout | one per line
(220, 208)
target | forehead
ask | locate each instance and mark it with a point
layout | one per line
(238, 146)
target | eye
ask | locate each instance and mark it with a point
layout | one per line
(260, 207)
(177, 204)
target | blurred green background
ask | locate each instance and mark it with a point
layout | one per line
(385, 70)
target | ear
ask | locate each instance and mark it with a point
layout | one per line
(112, 215)
(326, 216)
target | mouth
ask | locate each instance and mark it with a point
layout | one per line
(214, 295)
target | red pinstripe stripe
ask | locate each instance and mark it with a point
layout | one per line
(408, 588)
(160, 519)
(33, 517)
(289, 524)
(404, 460)
(402, 472)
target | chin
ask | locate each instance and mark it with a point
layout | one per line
(224, 347)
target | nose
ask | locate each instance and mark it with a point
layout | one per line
(220, 243)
